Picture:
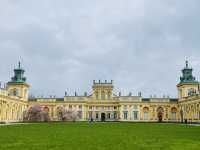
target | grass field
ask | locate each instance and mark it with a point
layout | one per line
(99, 136)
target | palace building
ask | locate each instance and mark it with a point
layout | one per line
(103, 104)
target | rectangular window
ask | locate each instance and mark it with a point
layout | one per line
(115, 115)
(135, 115)
(125, 115)
(90, 115)
(108, 115)
(97, 115)
(146, 115)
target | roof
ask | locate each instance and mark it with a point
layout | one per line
(173, 100)
(146, 99)
(45, 99)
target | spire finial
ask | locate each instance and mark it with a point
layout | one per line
(19, 65)
(186, 62)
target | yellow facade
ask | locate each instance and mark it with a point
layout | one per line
(102, 104)
(11, 107)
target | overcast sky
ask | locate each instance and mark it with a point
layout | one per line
(66, 44)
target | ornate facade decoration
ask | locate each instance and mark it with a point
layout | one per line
(101, 105)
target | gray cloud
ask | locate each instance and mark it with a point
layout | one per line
(64, 45)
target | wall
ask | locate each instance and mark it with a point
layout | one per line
(11, 107)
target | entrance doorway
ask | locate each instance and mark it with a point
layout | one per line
(160, 117)
(103, 117)
(160, 111)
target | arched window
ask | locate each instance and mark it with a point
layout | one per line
(46, 109)
(173, 113)
(146, 113)
(160, 110)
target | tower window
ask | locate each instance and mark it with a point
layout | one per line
(103, 96)
(15, 92)
(25, 93)
(97, 95)
(191, 92)
(109, 96)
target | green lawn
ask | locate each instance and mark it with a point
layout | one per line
(99, 136)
